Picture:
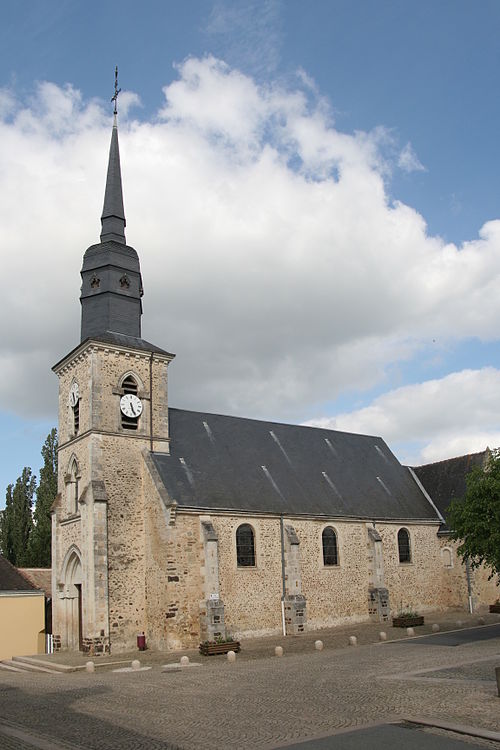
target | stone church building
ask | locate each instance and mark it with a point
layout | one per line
(189, 526)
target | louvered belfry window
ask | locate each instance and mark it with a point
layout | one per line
(129, 386)
(76, 416)
(245, 546)
(404, 546)
(74, 490)
(330, 551)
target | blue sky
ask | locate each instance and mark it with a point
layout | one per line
(405, 93)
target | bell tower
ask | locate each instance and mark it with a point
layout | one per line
(113, 409)
(111, 275)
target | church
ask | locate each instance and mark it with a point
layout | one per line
(189, 526)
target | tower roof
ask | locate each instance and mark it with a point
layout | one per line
(111, 276)
(113, 215)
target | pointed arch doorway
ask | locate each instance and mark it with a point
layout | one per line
(72, 597)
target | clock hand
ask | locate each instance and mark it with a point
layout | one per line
(132, 408)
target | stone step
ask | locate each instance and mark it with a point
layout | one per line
(18, 667)
(43, 665)
(8, 665)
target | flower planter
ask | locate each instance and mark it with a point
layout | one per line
(495, 608)
(211, 649)
(407, 621)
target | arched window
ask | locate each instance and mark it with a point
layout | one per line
(245, 546)
(73, 492)
(330, 550)
(447, 557)
(129, 385)
(404, 546)
(76, 417)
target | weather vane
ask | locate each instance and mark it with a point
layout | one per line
(117, 91)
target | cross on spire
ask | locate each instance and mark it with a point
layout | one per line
(117, 91)
(113, 216)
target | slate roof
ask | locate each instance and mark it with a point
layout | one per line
(121, 339)
(117, 339)
(445, 480)
(12, 580)
(113, 215)
(231, 463)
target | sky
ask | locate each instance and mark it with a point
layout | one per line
(313, 190)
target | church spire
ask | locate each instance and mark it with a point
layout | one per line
(111, 275)
(113, 215)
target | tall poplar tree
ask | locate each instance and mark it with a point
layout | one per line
(40, 540)
(6, 526)
(22, 520)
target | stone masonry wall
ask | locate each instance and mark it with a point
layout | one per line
(453, 577)
(99, 370)
(111, 455)
(120, 465)
(173, 573)
(335, 594)
(484, 590)
(109, 368)
(424, 583)
(251, 596)
(67, 528)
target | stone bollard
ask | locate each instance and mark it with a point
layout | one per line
(278, 651)
(435, 628)
(184, 661)
(353, 641)
(318, 645)
(497, 675)
(231, 657)
(410, 631)
(90, 666)
(481, 621)
(136, 664)
(382, 636)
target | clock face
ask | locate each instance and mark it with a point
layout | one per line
(131, 405)
(74, 394)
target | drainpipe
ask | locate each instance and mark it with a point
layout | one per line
(469, 584)
(283, 622)
(151, 402)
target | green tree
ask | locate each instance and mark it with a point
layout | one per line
(6, 526)
(475, 520)
(22, 520)
(40, 540)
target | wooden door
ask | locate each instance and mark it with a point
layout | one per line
(80, 634)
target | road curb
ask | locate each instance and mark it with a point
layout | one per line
(484, 734)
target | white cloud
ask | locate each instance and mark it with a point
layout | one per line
(273, 262)
(7, 102)
(408, 160)
(450, 416)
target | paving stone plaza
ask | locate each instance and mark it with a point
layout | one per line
(263, 701)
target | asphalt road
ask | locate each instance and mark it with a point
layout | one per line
(389, 737)
(460, 637)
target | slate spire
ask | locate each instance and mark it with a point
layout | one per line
(113, 215)
(111, 276)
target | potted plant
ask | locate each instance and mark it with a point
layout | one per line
(219, 646)
(407, 618)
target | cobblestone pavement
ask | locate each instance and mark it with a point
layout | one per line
(258, 702)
